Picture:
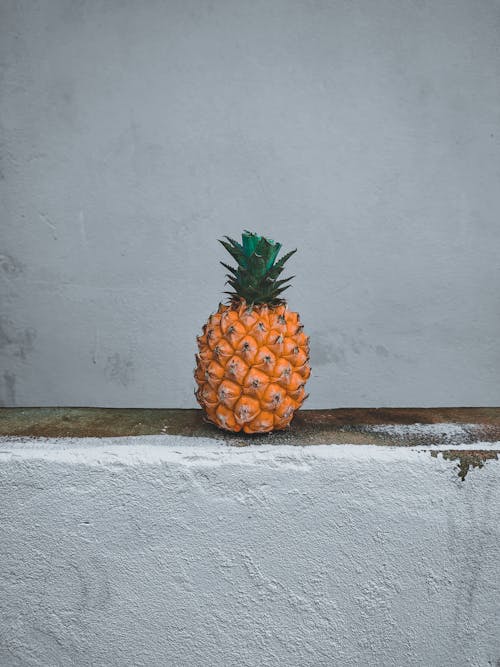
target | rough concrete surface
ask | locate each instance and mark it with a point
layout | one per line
(166, 550)
(382, 426)
(134, 134)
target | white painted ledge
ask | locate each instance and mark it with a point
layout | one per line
(172, 551)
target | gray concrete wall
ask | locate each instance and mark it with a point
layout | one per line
(134, 134)
(183, 552)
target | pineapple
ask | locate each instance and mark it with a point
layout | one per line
(253, 359)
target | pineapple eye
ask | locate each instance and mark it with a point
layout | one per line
(267, 358)
(261, 326)
(277, 398)
(231, 329)
(295, 350)
(281, 319)
(255, 383)
(246, 346)
(210, 333)
(217, 350)
(286, 371)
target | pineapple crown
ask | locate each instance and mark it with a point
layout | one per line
(256, 278)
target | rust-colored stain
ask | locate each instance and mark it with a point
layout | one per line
(340, 426)
(468, 458)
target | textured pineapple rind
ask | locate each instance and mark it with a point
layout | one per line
(251, 367)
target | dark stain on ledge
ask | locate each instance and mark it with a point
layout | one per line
(468, 458)
(399, 427)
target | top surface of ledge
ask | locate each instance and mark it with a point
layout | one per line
(377, 426)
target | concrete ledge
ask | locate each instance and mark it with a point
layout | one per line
(401, 427)
(176, 550)
(387, 426)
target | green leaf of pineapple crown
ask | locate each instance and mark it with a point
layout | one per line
(255, 280)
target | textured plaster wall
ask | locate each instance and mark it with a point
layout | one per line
(134, 134)
(172, 551)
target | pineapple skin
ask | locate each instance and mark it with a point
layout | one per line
(251, 367)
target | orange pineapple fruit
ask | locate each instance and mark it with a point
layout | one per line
(253, 356)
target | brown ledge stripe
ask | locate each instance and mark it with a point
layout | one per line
(379, 426)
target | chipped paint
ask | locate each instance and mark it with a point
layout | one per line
(470, 458)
